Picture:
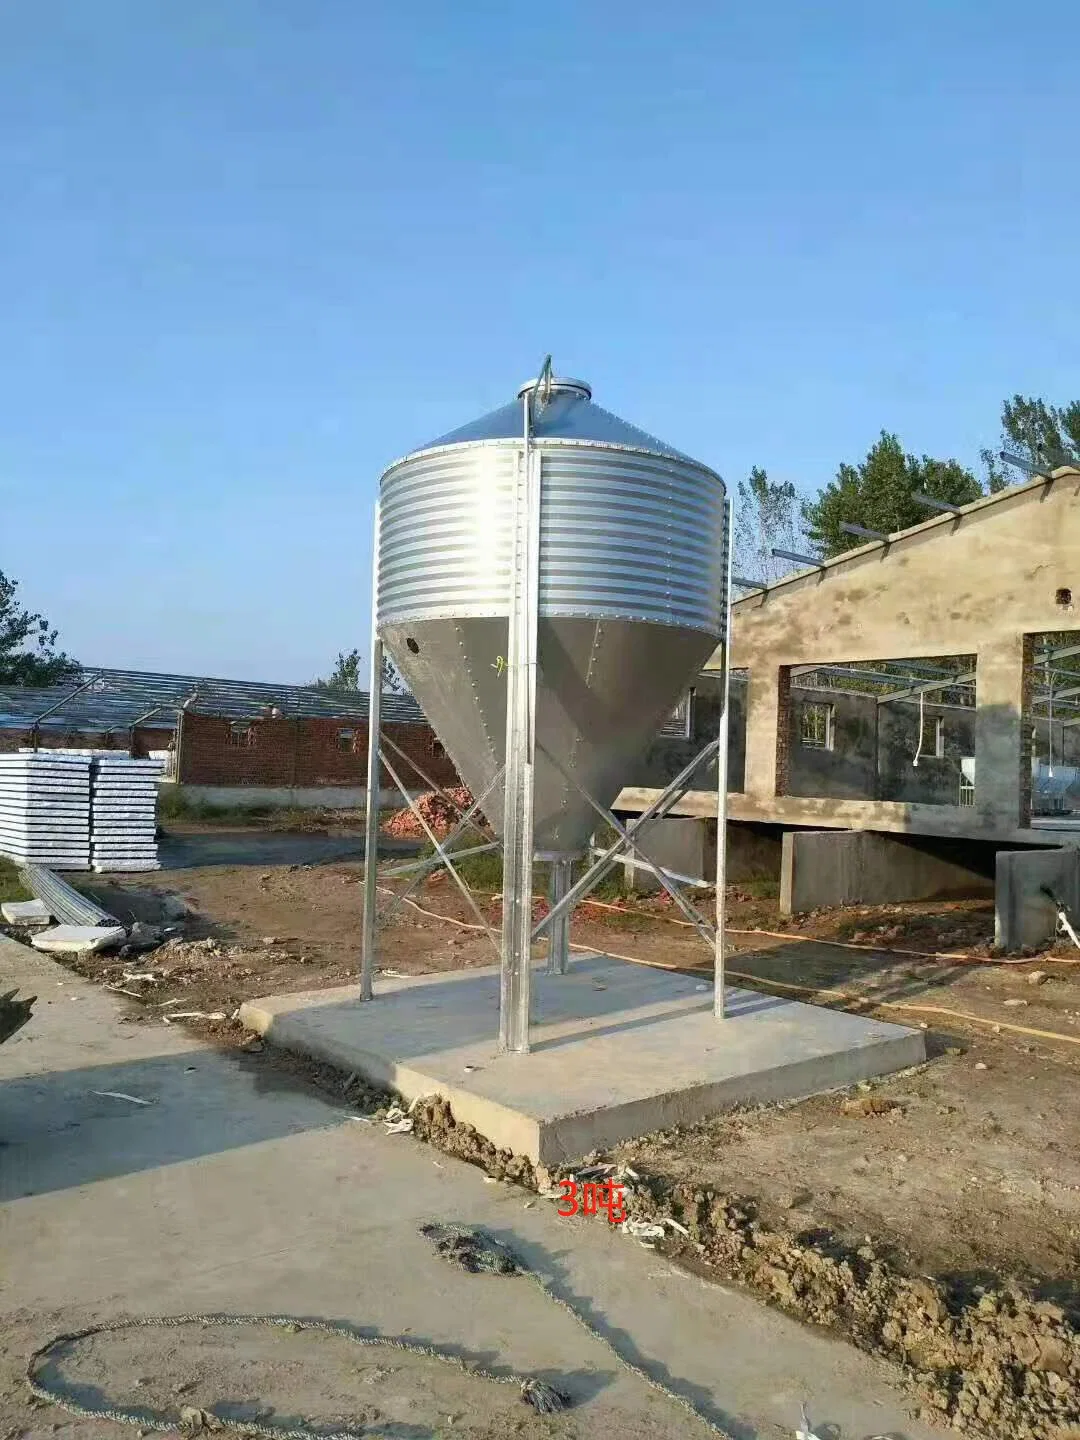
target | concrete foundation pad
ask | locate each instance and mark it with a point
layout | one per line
(618, 1050)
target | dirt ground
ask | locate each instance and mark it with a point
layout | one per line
(966, 1168)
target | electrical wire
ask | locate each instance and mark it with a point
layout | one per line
(846, 996)
(922, 712)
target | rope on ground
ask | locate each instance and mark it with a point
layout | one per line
(846, 996)
(954, 956)
(469, 1247)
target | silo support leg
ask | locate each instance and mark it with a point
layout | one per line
(371, 814)
(559, 935)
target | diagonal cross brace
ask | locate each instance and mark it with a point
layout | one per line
(399, 899)
(676, 789)
(700, 924)
(441, 852)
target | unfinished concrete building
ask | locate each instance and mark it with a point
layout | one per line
(900, 714)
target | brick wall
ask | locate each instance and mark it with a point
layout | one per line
(300, 752)
(119, 740)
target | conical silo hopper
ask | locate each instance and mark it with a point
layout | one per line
(631, 595)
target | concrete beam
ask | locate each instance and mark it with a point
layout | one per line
(888, 816)
(858, 867)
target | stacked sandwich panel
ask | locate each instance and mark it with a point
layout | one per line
(45, 809)
(123, 813)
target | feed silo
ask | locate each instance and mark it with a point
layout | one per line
(552, 546)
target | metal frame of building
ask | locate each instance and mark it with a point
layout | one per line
(918, 678)
(103, 700)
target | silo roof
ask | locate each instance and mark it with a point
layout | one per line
(568, 415)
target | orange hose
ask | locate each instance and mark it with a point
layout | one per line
(844, 995)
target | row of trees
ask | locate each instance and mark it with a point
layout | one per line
(350, 673)
(877, 494)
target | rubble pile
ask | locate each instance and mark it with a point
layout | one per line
(997, 1363)
(440, 815)
(433, 1121)
(993, 1362)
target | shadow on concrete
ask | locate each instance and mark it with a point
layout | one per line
(461, 1007)
(580, 1386)
(557, 1281)
(58, 1129)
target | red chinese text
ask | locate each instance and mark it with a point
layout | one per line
(591, 1198)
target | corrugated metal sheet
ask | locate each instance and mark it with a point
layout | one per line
(118, 698)
(624, 536)
(65, 904)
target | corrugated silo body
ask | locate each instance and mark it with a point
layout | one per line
(632, 556)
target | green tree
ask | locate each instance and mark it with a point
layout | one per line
(767, 514)
(878, 494)
(28, 654)
(1043, 435)
(348, 672)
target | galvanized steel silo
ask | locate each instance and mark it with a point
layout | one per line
(632, 551)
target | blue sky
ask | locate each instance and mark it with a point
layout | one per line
(252, 251)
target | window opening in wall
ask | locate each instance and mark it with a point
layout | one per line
(436, 748)
(680, 723)
(242, 733)
(931, 735)
(869, 730)
(1052, 725)
(346, 741)
(817, 729)
(966, 795)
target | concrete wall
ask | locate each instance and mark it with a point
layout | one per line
(688, 847)
(824, 868)
(874, 749)
(981, 583)
(146, 739)
(871, 758)
(935, 781)
(1024, 917)
(849, 769)
(326, 797)
(667, 755)
(682, 847)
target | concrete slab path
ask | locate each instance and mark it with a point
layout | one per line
(232, 1187)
